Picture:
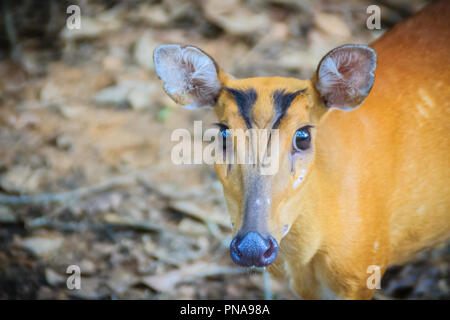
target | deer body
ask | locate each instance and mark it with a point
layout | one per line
(372, 187)
(381, 185)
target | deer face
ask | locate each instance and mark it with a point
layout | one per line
(262, 203)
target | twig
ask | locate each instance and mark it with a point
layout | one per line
(16, 49)
(167, 281)
(223, 271)
(45, 222)
(164, 258)
(118, 222)
(169, 191)
(196, 212)
(77, 193)
(267, 285)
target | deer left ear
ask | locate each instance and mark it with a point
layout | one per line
(189, 75)
(345, 76)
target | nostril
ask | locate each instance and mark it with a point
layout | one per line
(269, 251)
(272, 252)
(235, 253)
(236, 248)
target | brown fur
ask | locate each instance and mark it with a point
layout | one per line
(377, 187)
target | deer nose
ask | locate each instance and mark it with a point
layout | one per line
(253, 250)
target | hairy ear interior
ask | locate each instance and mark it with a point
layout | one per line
(345, 76)
(189, 75)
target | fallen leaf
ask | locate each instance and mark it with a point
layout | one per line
(167, 281)
(332, 24)
(53, 278)
(197, 212)
(7, 215)
(41, 246)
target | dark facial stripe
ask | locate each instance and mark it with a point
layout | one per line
(245, 101)
(282, 101)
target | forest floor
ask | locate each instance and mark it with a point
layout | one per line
(85, 131)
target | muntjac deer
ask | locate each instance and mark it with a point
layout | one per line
(360, 185)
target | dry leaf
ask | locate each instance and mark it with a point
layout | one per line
(197, 212)
(332, 24)
(167, 281)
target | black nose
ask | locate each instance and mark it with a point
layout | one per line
(253, 250)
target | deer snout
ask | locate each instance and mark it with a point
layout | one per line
(252, 249)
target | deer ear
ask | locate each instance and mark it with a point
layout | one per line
(345, 76)
(189, 75)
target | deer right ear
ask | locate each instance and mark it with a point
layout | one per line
(189, 75)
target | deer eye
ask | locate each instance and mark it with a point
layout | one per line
(224, 134)
(302, 139)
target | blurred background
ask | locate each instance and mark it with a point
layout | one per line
(85, 172)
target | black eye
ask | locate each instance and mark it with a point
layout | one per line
(302, 139)
(224, 134)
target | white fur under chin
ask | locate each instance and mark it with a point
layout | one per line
(190, 76)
